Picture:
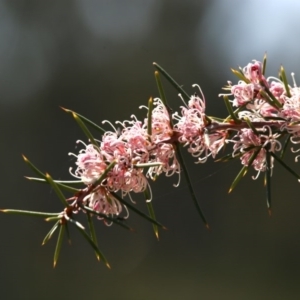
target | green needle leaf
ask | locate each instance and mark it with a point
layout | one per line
(286, 85)
(148, 165)
(58, 244)
(29, 213)
(85, 129)
(172, 81)
(285, 145)
(85, 120)
(53, 219)
(68, 233)
(48, 178)
(244, 170)
(33, 167)
(264, 64)
(114, 220)
(240, 75)
(275, 102)
(104, 174)
(99, 255)
(133, 208)
(149, 116)
(190, 187)
(286, 166)
(50, 233)
(60, 183)
(161, 91)
(151, 211)
(152, 215)
(230, 110)
(92, 232)
(239, 176)
(57, 190)
(268, 181)
(251, 126)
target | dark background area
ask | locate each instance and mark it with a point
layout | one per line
(95, 57)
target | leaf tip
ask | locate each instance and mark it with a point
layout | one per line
(108, 265)
(270, 212)
(65, 109)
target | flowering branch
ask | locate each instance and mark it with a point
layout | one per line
(262, 112)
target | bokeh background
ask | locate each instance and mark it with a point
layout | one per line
(95, 57)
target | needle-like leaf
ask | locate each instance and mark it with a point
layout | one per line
(60, 183)
(99, 255)
(50, 233)
(33, 167)
(268, 181)
(244, 170)
(137, 211)
(58, 244)
(286, 85)
(285, 145)
(92, 232)
(85, 120)
(85, 129)
(161, 91)
(110, 219)
(230, 110)
(29, 213)
(172, 81)
(190, 187)
(285, 166)
(240, 75)
(57, 190)
(151, 211)
(264, 64)
(149, 116)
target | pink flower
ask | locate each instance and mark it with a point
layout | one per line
(291, 106)
(242, 92)
(247, 142)
(127, 149)
(191, 128)
(278, 90)
(105, 203)
(253, 72)
(161, 128)
(90, 164)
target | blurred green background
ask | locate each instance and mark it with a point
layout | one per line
(95, 57)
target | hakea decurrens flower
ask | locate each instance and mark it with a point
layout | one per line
(192, 131)
(128, 148)
(269, 104)
(105, 203)
(262, 113)
(253, 72)
(90, 164)
(248, 142)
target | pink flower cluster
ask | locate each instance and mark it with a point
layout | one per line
(192, 130)
(132, 149)
(268, 108)
(271, 105)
